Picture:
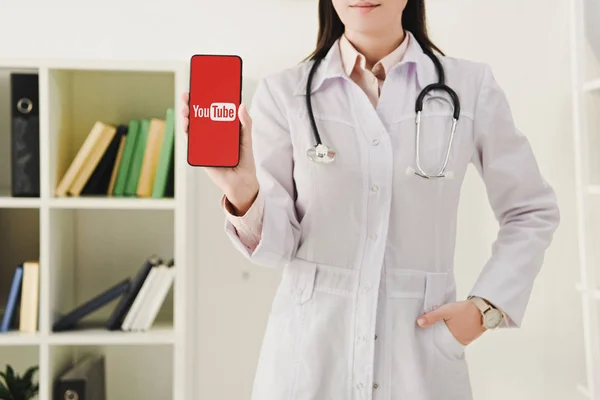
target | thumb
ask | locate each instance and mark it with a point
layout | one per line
(246, 122)
(245, 117)
(434, 316)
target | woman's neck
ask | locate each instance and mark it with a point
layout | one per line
(375, 46)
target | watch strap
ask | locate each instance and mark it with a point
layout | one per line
(483, 305)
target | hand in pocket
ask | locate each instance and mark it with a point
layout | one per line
(462, 318)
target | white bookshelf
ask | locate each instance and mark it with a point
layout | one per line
(585, 45)
(86, 245)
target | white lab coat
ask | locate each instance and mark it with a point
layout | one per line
(365, 247)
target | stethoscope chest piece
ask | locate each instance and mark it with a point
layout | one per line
(321, 154)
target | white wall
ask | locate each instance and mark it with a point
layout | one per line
(527, 43)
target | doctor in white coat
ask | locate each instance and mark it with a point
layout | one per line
(367, 306)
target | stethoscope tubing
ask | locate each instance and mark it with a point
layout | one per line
(321, 153)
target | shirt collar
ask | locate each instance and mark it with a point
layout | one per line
(352, 59)
(332, 66)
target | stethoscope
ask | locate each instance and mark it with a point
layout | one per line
(322, 154)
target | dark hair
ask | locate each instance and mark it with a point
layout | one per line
(331, 27)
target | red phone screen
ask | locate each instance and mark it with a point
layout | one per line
(215, 96)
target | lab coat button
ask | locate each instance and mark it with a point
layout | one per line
(375, 142)
(359, 386)
(375, 386)
(367, 287)
(375, 337)
(374, 188)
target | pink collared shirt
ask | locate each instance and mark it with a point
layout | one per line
(249, 226)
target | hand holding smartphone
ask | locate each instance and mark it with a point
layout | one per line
(219, 137)
(214, 129)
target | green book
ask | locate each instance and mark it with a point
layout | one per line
(125, 164)
(166, 153)
(137, 159)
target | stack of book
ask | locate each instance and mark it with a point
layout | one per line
(21, 310)
(126, 160)
(141, 298)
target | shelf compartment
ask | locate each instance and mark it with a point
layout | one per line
(20, 357)
(130, 372)
(91, 251)
(78, 98)
(19, 242)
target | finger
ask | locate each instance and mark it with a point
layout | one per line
(185, 123)
(185, 96)
(434, 316)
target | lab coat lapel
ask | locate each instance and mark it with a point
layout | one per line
(330, 67)
(403, 83)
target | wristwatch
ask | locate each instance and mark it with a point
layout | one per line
(492, 317)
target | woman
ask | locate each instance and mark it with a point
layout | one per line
(367, 306)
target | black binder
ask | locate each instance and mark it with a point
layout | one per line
(86, 380)
(70, 320)
(25, 135)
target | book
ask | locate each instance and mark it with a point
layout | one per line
(100, 178)
(10, 311)
(70, 320)
(29, 307)
(92, 160)
(115, 321)
(80, 159)
(133, 132)
(156, 131)
(137, 158)
(164, 169)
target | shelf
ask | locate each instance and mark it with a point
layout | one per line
(88, 241)
(13, 338)
(155, 336)
(19, 202)
(91, 65)
(113, 203)
(592, 86)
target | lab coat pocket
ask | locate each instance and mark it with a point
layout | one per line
(296, 287)
(448, 367)
(447, 341)
(409, 345)
(439, 285)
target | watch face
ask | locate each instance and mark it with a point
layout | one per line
(492, 319)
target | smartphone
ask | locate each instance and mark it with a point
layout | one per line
(215, 94)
